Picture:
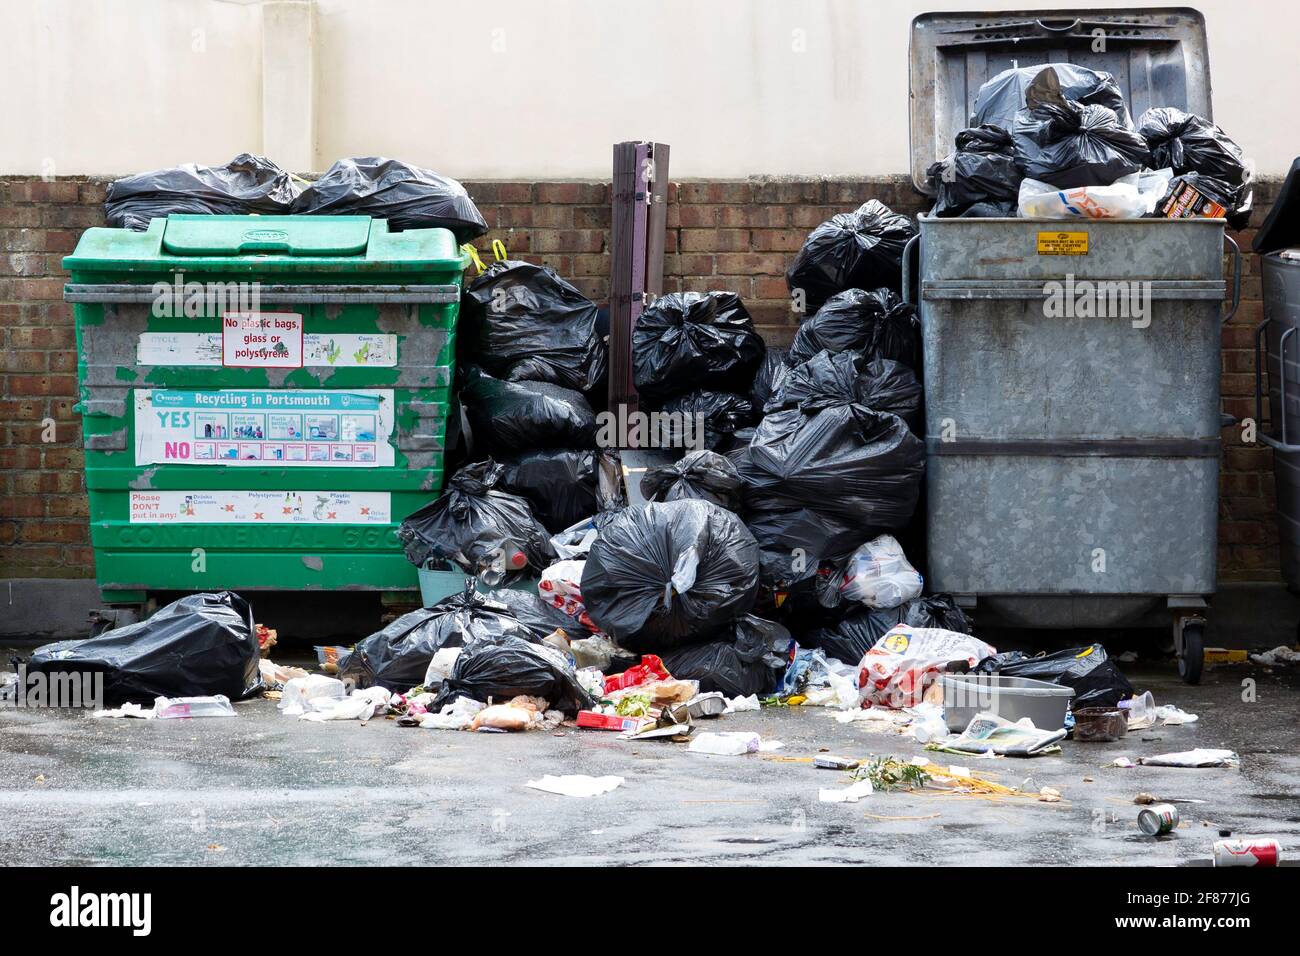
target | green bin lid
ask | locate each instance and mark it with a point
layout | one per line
(282, 235)
(341, 245)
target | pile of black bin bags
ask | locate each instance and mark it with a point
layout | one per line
(785, 461)
(1059, 126)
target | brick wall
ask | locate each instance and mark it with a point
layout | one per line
(721, 235)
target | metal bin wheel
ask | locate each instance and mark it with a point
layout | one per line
(1189, 643)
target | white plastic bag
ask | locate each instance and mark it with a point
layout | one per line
(879, 575)
(1130, 197)
(444, 659)
(561, 587)
(895, 672)
(299, 691)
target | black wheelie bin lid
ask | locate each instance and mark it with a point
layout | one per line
(1158, 56)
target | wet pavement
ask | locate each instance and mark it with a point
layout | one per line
(266, 789)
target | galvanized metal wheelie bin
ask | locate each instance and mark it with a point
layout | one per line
(263, 399)
(1277, 353)
(1073, 459)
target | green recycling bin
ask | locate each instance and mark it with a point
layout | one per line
(263, 399)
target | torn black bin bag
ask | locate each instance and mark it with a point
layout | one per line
(859, 466)
(706, 419)
(478, 527)
(699, 474)
(829, 379)
(200, 645)
(742, 662)
(246, 185)
(1187, 143)
(875, 323)
(768, 377)
(502, 667)
(521, 321)
(686, 341)
(982, 171)
(509, 417)
(862, 249)
(795, 542)
(1088, 671)
(998, 100)
(398, 656)
(559, 483)
(1067, 143)
(538, 618)
(407, 196)
(666, 574)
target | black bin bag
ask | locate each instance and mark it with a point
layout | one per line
(998, 100)
(478, 527)
(522, 322)
(202, 644)
(1088, 671)
(668, 573)
(768, 377)
(706, 418)
(846, 378)
(862, 249)
(559, 483)
(1190, 144)
(795, 542)
(875, 323)
(398, 656)
(1067, 144)
(746, 658)
(501, 667)
(703, 474)
(246, 185)
(686, 341)
(859, 467)
(980, 175)
(508, 417)
(407, 196)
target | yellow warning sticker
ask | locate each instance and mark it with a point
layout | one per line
(1062, 243)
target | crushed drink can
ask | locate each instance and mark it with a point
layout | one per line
(1158, 819)
(1247, 853)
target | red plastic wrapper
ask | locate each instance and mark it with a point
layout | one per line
(650, 669)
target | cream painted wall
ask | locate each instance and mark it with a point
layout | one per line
(534, 88)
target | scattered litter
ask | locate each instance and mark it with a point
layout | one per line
(521, 713)
(1049, 795)
(299, 692)
(126, 710)
(897, 670)
(174, 708)
(576, 785)
(1247, 853)
(359, 705)
(989, 733)
(1144, 798)
(458, 715)
(1200, 757)
(1123, 762)
(851, 794)
(275, 676)
(738, 705)
(726, 743)
(1278, 655)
